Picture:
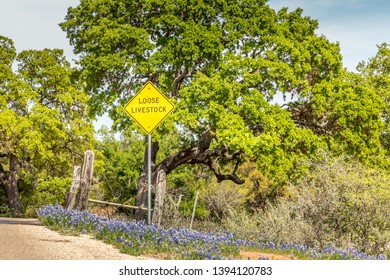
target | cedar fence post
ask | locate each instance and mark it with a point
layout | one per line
(194, 210)
(69, 204)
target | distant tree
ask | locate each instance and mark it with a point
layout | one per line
(122, 162)
(227, 66)
(44, 128)
(376, 72)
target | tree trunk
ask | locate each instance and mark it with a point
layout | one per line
(142, 182)
(142, 197)
(10, 184)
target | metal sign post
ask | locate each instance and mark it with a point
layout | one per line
(149, 178)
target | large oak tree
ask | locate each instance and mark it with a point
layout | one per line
(44, 128)
(228, 65)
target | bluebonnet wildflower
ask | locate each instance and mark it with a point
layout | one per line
(137, 237)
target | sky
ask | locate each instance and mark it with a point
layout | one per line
(33, 24)
(357, 25)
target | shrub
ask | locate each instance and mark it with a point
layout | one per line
(339, 202)
(50, 191)
(5, 211)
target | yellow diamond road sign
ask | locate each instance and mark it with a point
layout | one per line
(149, 107)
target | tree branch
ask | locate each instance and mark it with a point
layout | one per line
(179, 77)
(222, 177)
(201, 154)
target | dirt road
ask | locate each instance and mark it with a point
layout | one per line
(25, 239)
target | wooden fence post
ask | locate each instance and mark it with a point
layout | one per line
(194, 210)
(69, 204)
(177, 207)
(86, 180)
(161, 184)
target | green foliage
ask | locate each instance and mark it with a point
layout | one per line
(377, 74)
(48, 191)
(186, 181)
(351, 110)
(4, 209)
(187, 207)
(44, 129)
(122, 163)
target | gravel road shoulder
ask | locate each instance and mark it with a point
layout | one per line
(25, 239)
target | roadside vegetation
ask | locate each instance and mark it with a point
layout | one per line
(138, 238)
